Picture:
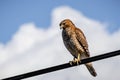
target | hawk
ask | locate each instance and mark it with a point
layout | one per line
(76, 43)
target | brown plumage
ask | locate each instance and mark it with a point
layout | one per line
(76, 43)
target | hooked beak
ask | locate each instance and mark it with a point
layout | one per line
(61, 26)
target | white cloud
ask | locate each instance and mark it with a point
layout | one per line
(33, 48)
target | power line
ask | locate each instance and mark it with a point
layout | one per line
(63, 66)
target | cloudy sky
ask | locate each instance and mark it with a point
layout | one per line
(30, 38)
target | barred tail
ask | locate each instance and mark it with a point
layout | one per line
(91, 69)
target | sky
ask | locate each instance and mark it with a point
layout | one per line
(30, 35)
(15, 13)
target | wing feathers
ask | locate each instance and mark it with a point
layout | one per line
(82, 40)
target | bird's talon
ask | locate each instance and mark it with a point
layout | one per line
(71, 62)
(77, 61)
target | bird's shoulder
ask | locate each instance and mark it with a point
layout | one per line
(79, 33)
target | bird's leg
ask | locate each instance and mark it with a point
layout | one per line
(78, 59)
(75, 60)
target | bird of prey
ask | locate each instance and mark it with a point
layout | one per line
(76, 43)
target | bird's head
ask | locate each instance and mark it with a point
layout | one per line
(66, 24)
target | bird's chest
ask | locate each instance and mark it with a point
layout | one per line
(69, 42)
(66, 36)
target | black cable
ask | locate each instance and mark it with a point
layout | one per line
(63, 66)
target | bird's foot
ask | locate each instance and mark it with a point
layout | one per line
(75, 61)
(71, 63)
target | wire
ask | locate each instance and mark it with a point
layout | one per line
(63, 66)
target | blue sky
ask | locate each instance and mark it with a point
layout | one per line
(29, 33)
(14, 13)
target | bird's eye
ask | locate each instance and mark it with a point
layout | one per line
(64, 23)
